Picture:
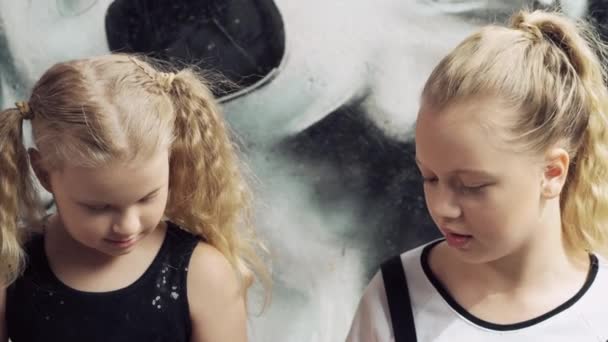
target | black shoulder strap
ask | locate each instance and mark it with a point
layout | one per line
(397, 293)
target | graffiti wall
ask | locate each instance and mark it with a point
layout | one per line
(327, 95)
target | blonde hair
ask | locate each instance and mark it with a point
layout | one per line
(548, 67)
(19, 202)
(119, 107)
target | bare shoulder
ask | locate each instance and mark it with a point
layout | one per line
(210, 270)
(216, 302)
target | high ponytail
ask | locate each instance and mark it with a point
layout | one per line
(584, 200)
(548, 67)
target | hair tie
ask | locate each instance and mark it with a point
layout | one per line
(24, 109)
(531, 29)
(165, 80)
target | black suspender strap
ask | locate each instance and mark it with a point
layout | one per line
(397, 293)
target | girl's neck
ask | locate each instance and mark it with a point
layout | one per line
(538, 263)
(538, 277)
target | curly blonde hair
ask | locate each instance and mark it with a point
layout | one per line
(19, 201)
(119, 107)
(549, 68)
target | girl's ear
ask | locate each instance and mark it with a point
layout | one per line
(555, 172)
(39, 169)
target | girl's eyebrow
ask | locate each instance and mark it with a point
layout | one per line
(474, 172)
(471, 172)
(95, 202)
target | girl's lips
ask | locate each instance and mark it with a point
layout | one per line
(457, 240)
(122, 243)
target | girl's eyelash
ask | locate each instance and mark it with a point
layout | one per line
(106, 207)
(474, 189)
(97, 208)
(464, 187)
(147, 199)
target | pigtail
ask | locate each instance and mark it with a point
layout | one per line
(208, 194)
(19, 203)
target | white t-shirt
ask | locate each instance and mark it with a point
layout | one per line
(438, 318)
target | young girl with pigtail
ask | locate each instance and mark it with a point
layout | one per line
(152, 238)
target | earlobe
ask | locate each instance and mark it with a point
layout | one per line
(552, 185)
(555, 172)
(41, 173)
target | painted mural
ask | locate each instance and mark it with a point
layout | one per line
(324, 104)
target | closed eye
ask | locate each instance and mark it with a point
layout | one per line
(475, 186)
(473, 189)
(149, 197)
(429, 179)
(97, 208)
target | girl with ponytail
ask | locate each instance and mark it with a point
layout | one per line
(512, 147)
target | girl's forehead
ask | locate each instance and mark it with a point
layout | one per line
(488, 117)
(462, 136)
(115, 177)
(481, 107)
